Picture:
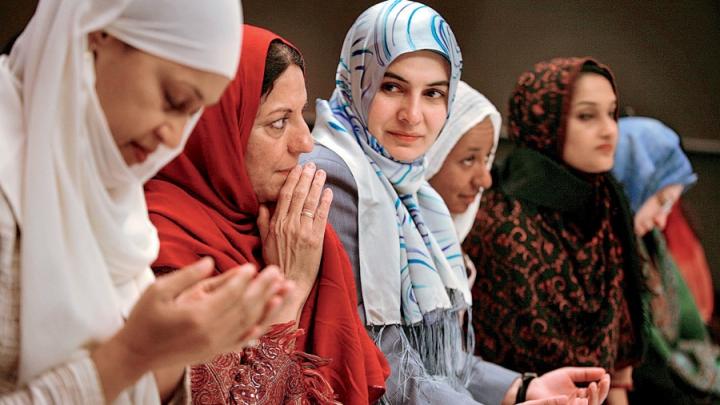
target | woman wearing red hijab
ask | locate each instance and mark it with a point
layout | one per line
(237, 194)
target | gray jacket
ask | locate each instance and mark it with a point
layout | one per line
(489, 382)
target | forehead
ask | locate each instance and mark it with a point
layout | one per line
(593, 88)
(480, 136)
(421, 66)
(288, 89)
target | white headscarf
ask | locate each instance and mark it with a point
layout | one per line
(86, 240)
(469, 109)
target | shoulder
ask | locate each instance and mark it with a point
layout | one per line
(338, 172)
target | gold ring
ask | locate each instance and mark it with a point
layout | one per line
(307, 213)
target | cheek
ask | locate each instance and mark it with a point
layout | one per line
(378, 113)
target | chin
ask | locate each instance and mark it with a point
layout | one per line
(404, 155)
(458, 208)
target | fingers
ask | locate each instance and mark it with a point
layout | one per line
(176, 282)
(584, 374)
(313, 197)
(232, 289)
(263, 221)
(259, 292)
(323, 210)
(277, 304)
(603, 388)
(593, 394)
(302, 188)
(286, 192)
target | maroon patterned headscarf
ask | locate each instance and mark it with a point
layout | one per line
(541, 100)
(558, 279)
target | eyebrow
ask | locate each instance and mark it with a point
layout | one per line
(400, 78)
(592, 103)
(195, 90)
(287, 110)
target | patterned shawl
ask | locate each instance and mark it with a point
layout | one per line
(410, 262)
(203, 204)
(558, 272)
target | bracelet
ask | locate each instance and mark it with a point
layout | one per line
(627, 386)
(522, 390)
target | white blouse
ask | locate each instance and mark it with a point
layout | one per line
(71, 383)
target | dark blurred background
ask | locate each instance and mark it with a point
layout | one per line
(665, 55)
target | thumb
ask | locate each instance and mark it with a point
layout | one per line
(263, 221)
(178, 281)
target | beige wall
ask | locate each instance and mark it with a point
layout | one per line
(665, 55)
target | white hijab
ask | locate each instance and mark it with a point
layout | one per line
(86, 240)
(469, 109)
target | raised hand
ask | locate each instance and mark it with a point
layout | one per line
(188, 317)
(293, 237)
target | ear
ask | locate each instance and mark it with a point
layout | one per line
(98, 39)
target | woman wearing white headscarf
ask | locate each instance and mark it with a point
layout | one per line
(95, 97)
(459, 162)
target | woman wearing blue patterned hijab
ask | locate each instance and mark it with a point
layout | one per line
(397, 75)
(649, 162)
(682, 364)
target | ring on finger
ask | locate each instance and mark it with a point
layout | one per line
(307, 213)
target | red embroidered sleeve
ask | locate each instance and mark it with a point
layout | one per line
(272, 372)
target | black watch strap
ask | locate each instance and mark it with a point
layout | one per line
(522, 390)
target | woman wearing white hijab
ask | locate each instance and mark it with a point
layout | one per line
(459, 162)
(95, 97)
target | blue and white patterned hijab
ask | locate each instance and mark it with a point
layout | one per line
(649, 158)
(412, 271)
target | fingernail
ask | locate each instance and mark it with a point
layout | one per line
(310, 165)
(205, 262)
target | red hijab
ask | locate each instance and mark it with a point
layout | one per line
(203, 204)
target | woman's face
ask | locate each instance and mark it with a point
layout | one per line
(410, 106)
(655, 210)
(592, 132)
(147, 100)
(465, 172)
(279, 135)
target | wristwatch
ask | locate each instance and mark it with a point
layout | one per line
(522, 390)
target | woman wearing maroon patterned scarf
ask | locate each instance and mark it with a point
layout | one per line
(559, 279)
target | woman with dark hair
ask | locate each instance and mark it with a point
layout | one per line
(559, 277)
(237, 194)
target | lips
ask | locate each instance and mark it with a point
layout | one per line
(405, 136)
(467, 198)
(606, 148)
(141, 154)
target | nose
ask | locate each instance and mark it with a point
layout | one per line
(660, 220)
(170, 132)
(410, 111)
(300, 140)
(482, 177)
(610, 128)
